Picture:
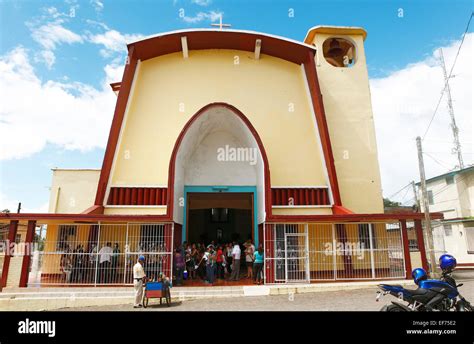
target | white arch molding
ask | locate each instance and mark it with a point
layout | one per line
(197, 161)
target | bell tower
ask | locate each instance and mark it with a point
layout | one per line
(343, 77)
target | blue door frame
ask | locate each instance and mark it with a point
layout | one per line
(223, 189)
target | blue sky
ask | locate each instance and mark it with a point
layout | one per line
(72, 49)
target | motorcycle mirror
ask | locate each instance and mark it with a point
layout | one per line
(459, 285)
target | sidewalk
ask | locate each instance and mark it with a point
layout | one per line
(39, 299)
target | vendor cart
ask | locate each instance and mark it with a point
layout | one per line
(154, 290)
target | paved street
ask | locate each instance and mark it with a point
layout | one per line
(350, 300)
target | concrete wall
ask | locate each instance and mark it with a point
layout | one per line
(73, 190)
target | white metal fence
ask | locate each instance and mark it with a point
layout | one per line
(99, 254)
(307, 252)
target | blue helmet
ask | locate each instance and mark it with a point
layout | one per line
(447, 262)
(141, 258)
(418, 275)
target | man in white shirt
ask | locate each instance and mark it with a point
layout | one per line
(105, 257)
(235, 275)
(138, 279)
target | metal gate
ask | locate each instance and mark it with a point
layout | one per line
(286, 253)
(307, 252)
(99, 254)
(296, 259)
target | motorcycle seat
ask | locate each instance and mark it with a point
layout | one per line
(419, 291)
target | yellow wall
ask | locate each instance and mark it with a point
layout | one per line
(73, 191)
(262, 89)
(346, 98)
(135, 210)
(302, 211)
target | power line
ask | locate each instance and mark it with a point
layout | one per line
(396, 193)
(437, 161)
(449, 76)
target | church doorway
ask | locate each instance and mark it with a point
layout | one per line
(219, 217)
(220, 214)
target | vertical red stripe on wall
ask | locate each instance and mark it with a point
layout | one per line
(165, 194)
(114, 192)
(127, 196)
(140, 196)
(158, 197)
(121, 196)
(146, 196)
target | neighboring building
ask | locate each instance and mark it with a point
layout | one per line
(452, 194)
(73, 189)
(232, 135)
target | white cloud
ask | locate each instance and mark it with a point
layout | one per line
(403, 104)
(98, 5)
(201, 2)
(47, 57)
(113, 41)
(33, 113)
(52, 34)
(203, 16)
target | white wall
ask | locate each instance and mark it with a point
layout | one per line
(197, 158)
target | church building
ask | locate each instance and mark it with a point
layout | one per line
(228, 135)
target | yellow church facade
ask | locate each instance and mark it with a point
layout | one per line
(221, 136)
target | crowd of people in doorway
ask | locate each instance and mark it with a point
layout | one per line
(216, 261)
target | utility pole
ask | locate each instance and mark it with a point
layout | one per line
(428, 231)
(417, 202)
(454, 127)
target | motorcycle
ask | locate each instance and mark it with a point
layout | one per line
(431, 295)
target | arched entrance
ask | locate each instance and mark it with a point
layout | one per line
(219, 169)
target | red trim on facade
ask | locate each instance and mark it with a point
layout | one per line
(25, 267)
(216, 39)
(300, 196)
(274, 218)
(6, 260)
(171, 170)
(406, 249)
(318, 107)
(116, 126)
(340, 210)
(116, 86)
(137, 196)
(421, 245)
(95, 209)
(350, 217)
(85, 217)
